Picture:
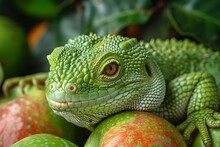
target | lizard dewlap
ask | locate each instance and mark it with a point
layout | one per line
(94, 76)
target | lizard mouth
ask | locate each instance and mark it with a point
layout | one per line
(108, 98)
(68, 105)
(58, 105)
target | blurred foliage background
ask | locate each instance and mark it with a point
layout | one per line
(31, 29)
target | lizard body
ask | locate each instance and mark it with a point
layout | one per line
(93, 76)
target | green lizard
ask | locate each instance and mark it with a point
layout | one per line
(93, 76)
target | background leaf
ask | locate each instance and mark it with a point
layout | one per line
(111, 16)
(144, 19)
(199, 19)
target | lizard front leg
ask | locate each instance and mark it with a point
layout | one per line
(33, 79)
(193, 97)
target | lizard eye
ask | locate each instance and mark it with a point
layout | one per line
(111, 69)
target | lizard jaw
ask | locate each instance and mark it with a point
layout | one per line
(87, 113)
(88, 101)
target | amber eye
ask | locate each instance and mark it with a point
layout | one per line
(111, 69)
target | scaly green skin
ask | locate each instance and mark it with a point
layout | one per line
(94, 76)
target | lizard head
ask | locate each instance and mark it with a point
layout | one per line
(92, 77)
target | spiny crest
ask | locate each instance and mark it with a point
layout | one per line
(54, 56)
(86, 43)
(128, 43)
(73, 47)
(93, 44)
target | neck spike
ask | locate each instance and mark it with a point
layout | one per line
(128, 43)
(54, 56)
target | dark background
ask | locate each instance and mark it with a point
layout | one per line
(31, 29)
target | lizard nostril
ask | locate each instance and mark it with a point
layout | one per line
(72, 88)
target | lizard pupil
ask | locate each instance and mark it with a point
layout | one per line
(111, 69)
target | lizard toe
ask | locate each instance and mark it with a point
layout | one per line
(188, 131)
(216, 115)
(213, 122)
(203, 130)
(34, 79)
(181, 127)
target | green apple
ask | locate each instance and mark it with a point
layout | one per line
(215, 135)
(13, 47)
(43, 140)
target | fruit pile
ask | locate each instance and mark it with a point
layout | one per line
(25, 113)
(27, 120)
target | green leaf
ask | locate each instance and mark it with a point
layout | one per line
(199, 19)
(42, 8)
(110, 16)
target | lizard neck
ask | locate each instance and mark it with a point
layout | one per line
(152, 94)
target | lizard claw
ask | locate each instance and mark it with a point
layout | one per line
(187, 129)
(34, 79)
(200, 120)
(10, 83)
